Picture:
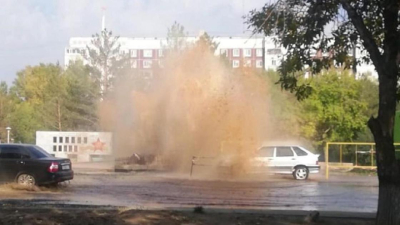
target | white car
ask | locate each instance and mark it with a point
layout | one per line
(294, 160)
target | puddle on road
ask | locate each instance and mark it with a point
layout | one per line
(164, 191)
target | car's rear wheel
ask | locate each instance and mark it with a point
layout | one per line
(301, 173)
(26, 180)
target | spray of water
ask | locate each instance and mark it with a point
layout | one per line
(194, 106)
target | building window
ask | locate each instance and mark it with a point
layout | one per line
(236, 52)
(147, 64)
(67, 50)
(67, 140)
(85, 140)
(259, 53)
(160, 53)
(133, 64)
(223, 52)
(54, 148)
(133, 53)
(247, 53)
(247, 63)
(273, 62)
(61, 140)
(54, 139)
(235, 63)
(274, 51)
(79, 140)
(70, 148)
(259, 63)
(73, 140)
(65, 148)
(147, 53)
(60, 148)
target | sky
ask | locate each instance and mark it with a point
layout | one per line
(37, 31)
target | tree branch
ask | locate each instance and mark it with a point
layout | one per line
(365, 35)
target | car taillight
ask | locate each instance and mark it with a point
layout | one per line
(53, 167)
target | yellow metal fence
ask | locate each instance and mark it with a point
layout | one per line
(354, 161)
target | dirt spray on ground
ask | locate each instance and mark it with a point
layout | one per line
(19, 188)
(195, 105)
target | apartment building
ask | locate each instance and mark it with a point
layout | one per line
(254, 52)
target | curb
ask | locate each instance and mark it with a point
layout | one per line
(73, 207)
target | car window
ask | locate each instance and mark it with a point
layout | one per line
(266, 152)
(299, 152)
(284, 152)
(13, 152)
(38, 152)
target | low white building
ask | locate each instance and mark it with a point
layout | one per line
(77, 146)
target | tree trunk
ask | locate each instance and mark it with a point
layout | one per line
(388, 175)
(382, 128)
(388, 204)
(59, 115)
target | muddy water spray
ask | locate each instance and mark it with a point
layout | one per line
(194, 106)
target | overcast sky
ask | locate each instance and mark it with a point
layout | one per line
(37, 31)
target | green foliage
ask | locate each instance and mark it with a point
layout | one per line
(42, 88)
(370, 93)
(106, 59)
(82, 97)
(335, 111)
(53, 112)
(32, 82)
(24, 122)
(206, 43)
(50, 98)
(333, 27)
(5, 108)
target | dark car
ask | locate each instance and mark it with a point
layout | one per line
(31, 165)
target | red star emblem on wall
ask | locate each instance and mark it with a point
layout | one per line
(98, 145)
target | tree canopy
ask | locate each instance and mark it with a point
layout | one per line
(206, 42)
(46, 97)
(105, 58)
(335, 111)
(176, 37)
(328, 30)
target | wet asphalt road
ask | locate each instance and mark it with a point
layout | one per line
(154, 190)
